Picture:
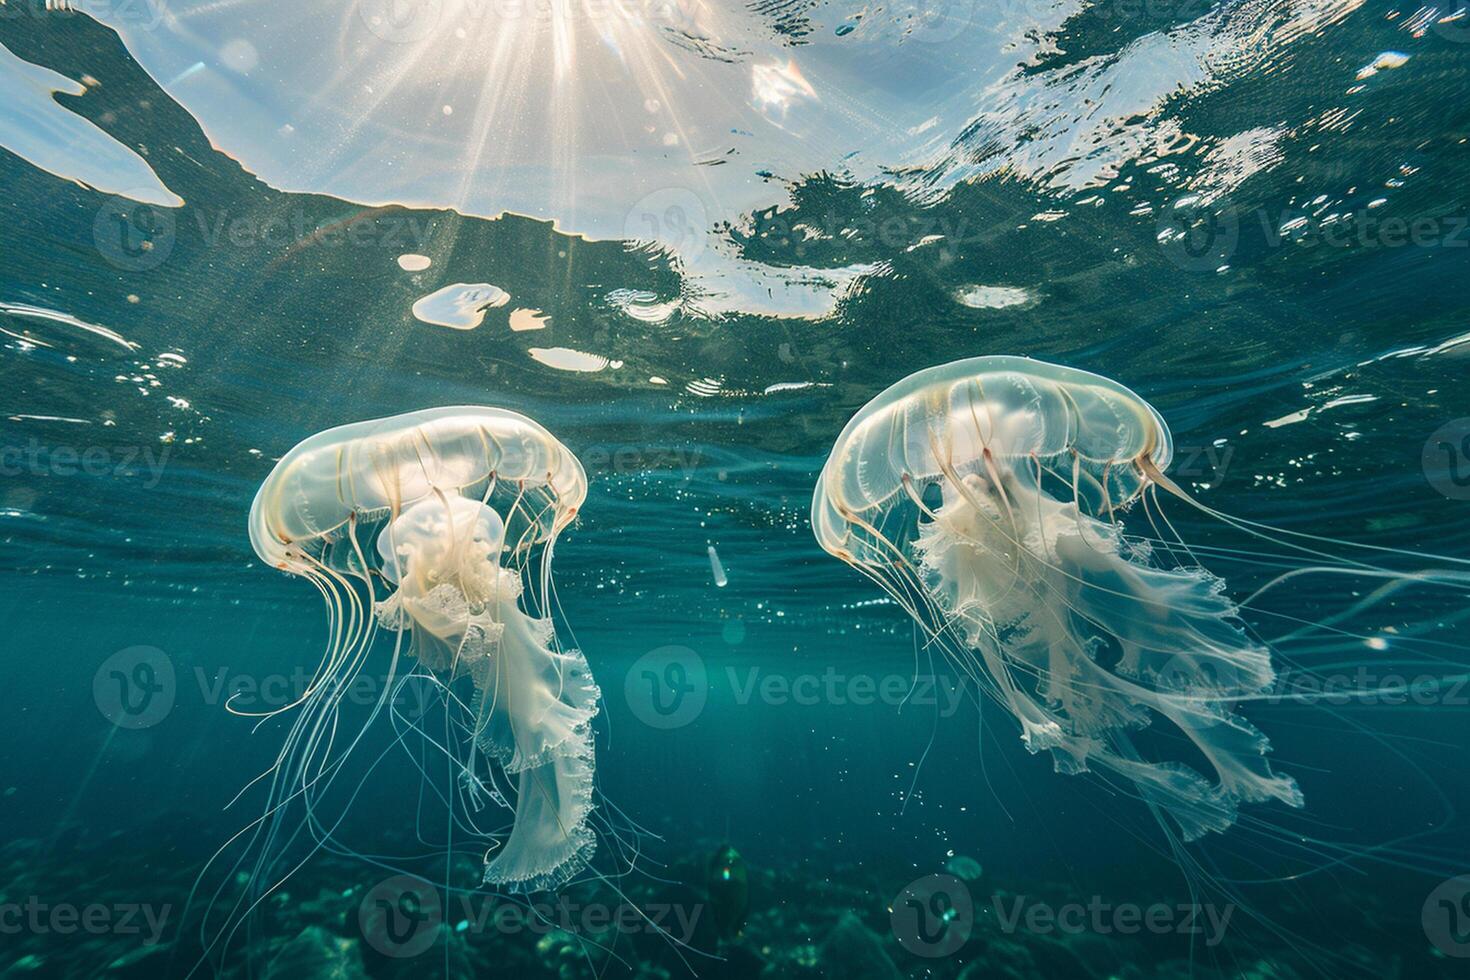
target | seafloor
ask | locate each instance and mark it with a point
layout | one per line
(820, 918)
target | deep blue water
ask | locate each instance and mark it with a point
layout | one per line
(1306, 345)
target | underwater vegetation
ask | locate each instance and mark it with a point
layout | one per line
(728, 884)
(822, 918)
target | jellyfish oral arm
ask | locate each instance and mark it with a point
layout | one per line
(533, 704)
(1036, 587)
(534, 712)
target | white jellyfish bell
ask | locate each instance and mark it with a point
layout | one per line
(466, 504)
(986, 496)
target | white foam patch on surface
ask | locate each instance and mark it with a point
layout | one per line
(566, 359)
(1291, 419)
(991, 297)
(1237, 158)
(460, 306)
(36, 128)
(524, 319)
(642, 305)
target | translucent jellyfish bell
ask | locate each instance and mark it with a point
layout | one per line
(981, 495)
(460, 499)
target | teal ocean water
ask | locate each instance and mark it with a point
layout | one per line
(692, 241)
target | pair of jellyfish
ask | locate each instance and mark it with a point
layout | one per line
(984, 496)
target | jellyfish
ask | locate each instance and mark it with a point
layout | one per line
(438, 528)
(986, 497)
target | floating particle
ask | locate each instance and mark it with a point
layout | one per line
(717, 569)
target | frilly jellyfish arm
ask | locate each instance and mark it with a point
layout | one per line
(1039, 588)
(534, 708)
(533, 705)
